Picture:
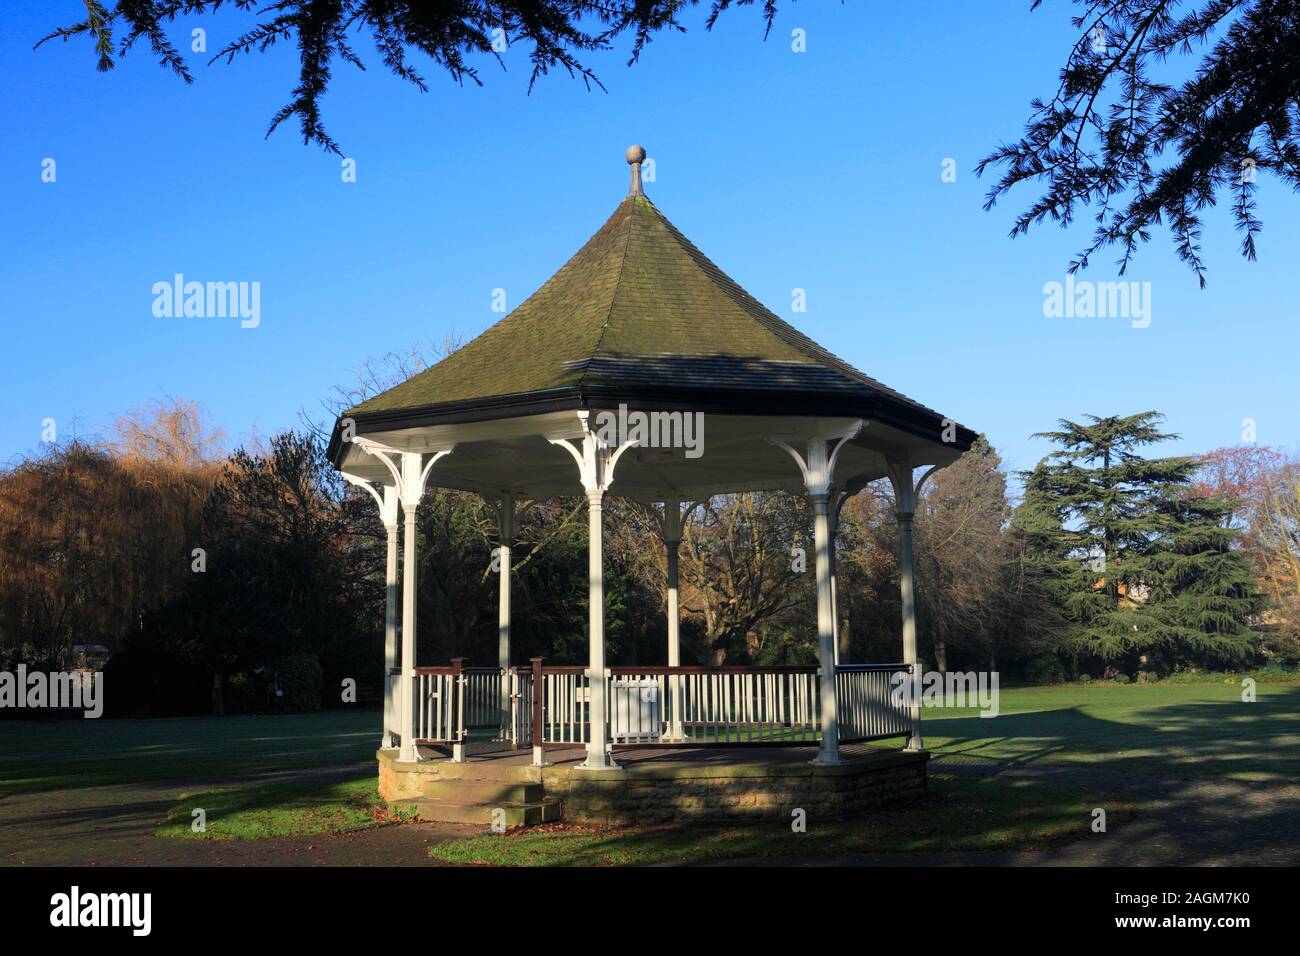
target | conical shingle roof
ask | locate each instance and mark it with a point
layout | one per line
(640, 315)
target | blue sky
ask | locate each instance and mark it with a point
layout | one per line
(816, 170)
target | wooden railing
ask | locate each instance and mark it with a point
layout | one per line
(863, 694)
(482, 689)
(439, 704)
(678, 705)
(563, 707)
(550, 706)
(713, 705)
(519, 729)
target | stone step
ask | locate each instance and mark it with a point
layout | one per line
(493, 792)
(485, 770)
(513, 814)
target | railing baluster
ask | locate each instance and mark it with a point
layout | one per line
(703, 705)
(796, 706)
(803, 710)
(796, 713)
(699, 729)
(747, 705)
(867, 709)
(712, 706)
(428, 696)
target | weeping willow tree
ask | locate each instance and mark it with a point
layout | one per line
(89, 543)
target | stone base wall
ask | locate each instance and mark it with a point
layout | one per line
(400, 784)
(687, 789)
(668, 793)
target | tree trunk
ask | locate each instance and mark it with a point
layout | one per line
(846, 649)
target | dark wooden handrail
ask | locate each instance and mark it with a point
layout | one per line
(535, 732)
(696, 669)
(685, 669)
(457, 666)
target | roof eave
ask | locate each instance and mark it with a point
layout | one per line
(921, 423)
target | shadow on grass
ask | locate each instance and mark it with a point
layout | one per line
(956, 815)
(276, 810)
(85, 753)
(1228, 738)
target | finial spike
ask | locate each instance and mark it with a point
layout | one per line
(635, 157)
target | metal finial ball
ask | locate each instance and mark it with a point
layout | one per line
(635, 154)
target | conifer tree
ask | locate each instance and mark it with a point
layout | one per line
(1206, 592)
(1141, 564)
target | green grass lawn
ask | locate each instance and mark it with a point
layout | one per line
(1174, 729)
(1179, 730)
(81, 753)
(1186, 730)
(956, 815)
(297, 808)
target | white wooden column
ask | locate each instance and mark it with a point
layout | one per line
(597, 757)
(830, 749)
(391, 701)
(818, 467)
(836, 502)
(506, 524)
(672, 535)
(907, 587)
(410, 471)
(905, 494)
(409, 694)
(596, 461)
(387, 499)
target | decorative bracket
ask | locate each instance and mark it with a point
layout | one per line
(818, 464)
(595, 459)
(509, 510)
(841, 495)
(409, 469)
(385, 496)
(390, 457)
(670, 526)
(905, 490)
